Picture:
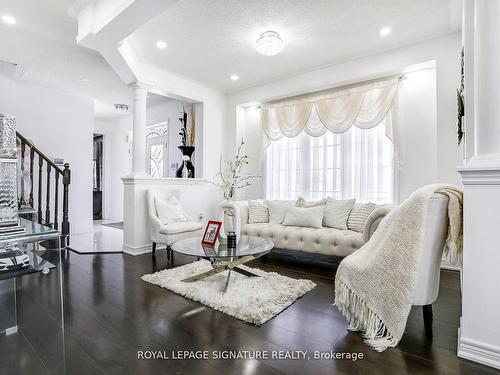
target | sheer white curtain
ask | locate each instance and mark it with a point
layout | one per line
(363, 107)
(356, 164)
(341, 144)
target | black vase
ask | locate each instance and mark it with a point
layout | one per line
(186, 151)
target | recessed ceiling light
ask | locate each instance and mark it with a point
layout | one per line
(384, 31)
(269, 43)
(8, 19)
(234, 77)
(161, 44)
(84, 79)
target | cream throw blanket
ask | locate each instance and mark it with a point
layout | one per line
(374, 286)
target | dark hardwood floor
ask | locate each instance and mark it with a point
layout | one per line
(110, 314)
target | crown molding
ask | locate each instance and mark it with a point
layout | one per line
(476, 175)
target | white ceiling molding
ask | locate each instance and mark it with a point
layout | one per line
(103, 26)
(42, 46)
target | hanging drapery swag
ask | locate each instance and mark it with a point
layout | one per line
(363, 106)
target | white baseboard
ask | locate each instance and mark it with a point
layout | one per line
(476, 351)
(145, 249)
(136, 250)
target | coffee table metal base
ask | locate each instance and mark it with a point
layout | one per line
(225, 266)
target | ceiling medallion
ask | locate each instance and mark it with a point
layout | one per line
(269, 43)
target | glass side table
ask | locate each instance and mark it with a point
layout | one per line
(31, 301)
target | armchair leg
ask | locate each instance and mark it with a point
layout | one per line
(427, 312)
(154, 248)
(170, 252)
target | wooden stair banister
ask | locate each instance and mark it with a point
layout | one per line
(51, 211)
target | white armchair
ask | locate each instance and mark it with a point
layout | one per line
(167, 232)
(436, 229)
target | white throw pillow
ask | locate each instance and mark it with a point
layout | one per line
(337, 212)
(359, 215)
(257, 211)
(305, 216)
(278, 209)
(170, 210)
(301, 202)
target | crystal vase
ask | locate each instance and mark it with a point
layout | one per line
(8, 149)
(8, 192)
(8, 171)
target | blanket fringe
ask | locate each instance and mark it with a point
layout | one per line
(452, 252)
(362, 318)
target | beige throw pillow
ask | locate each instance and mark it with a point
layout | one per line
(277, 210)
(359, 215)
(337, 212)
(304, 217)
(301, 202)
(257, 211)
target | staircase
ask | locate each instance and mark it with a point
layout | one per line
(44, 203)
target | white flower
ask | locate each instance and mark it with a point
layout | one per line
(186, 158)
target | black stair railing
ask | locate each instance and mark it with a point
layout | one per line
(51, 217)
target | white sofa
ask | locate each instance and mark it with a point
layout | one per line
(326, 241)
(329, 241)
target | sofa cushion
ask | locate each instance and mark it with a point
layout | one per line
(301, 202)
(258, 211)
(336, 212)
(180, 227)
(278, 209)
(358, 216)
(326, 241)
(304, 217)
(170, 210)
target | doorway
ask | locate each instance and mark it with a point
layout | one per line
(98, 174)
(157, 152)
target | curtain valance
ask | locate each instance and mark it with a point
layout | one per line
(363, 106)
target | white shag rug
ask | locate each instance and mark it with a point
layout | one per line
(252, 299)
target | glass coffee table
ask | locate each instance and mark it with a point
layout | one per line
(223, 258)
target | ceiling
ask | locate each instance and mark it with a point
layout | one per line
(43, 45)
(209, 40)
(155, 99)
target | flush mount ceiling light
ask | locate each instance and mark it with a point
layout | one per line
(269, 43)
(161, 44)
(234, 77)
(8, 19)
(384, 31)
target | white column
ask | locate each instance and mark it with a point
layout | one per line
(479, 335)
(487, 82)
(135, 220)
(139, 130)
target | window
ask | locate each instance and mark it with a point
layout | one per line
(156, 143)
(356, 164)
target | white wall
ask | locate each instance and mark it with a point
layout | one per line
(418, 133)
(169, 111)
(136, 232)
(427, 108)
(117, 163)
(117, 150)
(61, 125)
(213, 103)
